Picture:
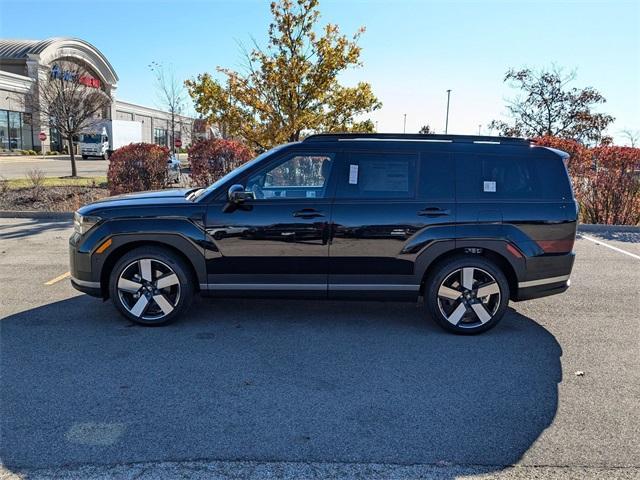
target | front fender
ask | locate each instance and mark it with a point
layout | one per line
(178, 233)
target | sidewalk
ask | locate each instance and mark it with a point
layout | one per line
(32, 158)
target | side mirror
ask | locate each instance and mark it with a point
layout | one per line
(238, 195)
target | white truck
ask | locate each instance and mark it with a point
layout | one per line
(102, 138)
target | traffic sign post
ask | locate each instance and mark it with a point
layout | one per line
(42, 136)
(178, 143)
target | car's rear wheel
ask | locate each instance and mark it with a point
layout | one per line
(467, 294)
(151, 286)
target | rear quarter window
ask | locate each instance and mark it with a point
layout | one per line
(511, 177)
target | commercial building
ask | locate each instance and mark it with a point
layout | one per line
(24, 63)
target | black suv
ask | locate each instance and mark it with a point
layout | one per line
(465, 222)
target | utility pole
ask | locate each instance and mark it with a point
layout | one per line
(446, 125)
(479, 128)
(404, 127)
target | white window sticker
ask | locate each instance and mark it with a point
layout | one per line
(311, 194)
(489, 186)
(353, 174)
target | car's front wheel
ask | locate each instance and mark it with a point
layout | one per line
(467, 294)
(151, 286)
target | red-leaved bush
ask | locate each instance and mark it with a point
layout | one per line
(212, 159)
(606, 181)
(138, 167)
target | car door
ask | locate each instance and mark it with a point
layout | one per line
(389, 208)
(277, 241)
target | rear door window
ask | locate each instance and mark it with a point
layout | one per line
(378, 175)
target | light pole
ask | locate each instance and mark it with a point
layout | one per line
(446, 124)
(479, 128)
(404, 126)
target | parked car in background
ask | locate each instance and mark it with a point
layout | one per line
(173, 169)
(467, 223)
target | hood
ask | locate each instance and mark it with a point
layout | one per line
(174, 196)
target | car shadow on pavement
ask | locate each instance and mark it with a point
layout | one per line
(32, 227)
(271, 380)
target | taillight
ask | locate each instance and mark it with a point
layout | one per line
(556, 246)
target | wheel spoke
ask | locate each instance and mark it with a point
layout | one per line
(467, 277)
(167, 281)
(488, 289)
(145, 269)
(140, 306)
(163, 303)
(128, 285)
(481, 312)
(457, 314)
(448, 292)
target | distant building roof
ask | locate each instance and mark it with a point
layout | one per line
(18, 49)
(14, 49)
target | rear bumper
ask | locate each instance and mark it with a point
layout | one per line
(542, 290)
(546, 275)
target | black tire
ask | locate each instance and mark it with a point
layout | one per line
(84, 157)
(162, 264)
(478, 313)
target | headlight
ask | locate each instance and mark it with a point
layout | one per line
(82, 224)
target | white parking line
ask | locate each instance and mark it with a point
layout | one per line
(600, 242)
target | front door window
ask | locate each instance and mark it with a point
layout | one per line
(295, 177)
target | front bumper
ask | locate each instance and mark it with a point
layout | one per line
(82, 278)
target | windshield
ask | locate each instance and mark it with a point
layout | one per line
(87, 138)
(238, 171)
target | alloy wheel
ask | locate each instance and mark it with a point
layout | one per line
(469, 297)
(148, 289)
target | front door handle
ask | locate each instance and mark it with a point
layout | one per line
(308, 213)
(434, 212)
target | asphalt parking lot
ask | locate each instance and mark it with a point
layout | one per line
(303, 389)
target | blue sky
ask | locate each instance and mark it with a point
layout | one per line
(413, 51)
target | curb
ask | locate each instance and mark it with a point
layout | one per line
(595, 228)
(36, 214)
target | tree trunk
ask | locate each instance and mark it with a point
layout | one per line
(74, 172)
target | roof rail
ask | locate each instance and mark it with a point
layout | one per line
(416, 137)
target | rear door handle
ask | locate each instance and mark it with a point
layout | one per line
(434, 212)
(308, 213)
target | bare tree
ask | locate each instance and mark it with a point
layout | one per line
(426, 130)
(69, 100)
(172, 96)
(632, 136)
(550, 106)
